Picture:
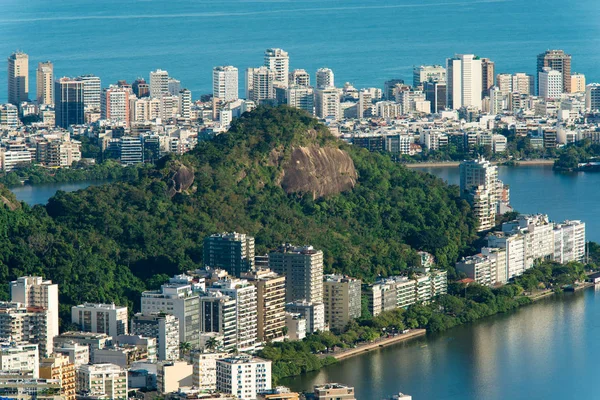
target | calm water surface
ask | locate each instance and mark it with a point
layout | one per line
(39, 194)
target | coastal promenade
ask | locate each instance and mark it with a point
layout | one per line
(442, 164)
(376, 344)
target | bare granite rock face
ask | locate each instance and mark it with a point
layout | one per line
(181, 179)
(12, 205)
(322, 171)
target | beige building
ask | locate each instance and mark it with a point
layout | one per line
(341, 296)
(278, 393)
(26, 324)
(18, 78)
(59, 367)
(19, 359)
(577, 83)
(205, 369)
(334, 391)
(107, 381)
(303, 268)
(270, 294)
(170, 376)
(45, 83)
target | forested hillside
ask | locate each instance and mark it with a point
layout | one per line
(111, 242)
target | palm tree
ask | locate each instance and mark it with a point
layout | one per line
(212, 343)
(184, 349)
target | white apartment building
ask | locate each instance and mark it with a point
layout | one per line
(303, 268)
(205, 369)
(92, 91)
(177, 299)
(225, 83)
(569, 241)
(26, 325)
(550, 83)
(302, 97)
(159, 83)
(278, 61)
(14, 156)
(218, 314)
(244, 294)
(296, 326)
(299, 77)
(259, 84)
(243, 376)
(427, 73)
(312, 313)
(498, 258)
(325, 78)
(100, 318)
(327, 103)
(146, 109)
(464, 82)
(114, 105)
(34, 291)
(185, 103)
(164, 328)
(20, 359)
(592, 97)
(515, 252)
(341, 296)
(79, 354)
(102, 380)
(9, 116)
(479, 267)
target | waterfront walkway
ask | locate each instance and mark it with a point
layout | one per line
(376, 344)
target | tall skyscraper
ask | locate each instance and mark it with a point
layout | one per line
(159, 83)
(487, 76)
(259, 84)
(114, 105)
(18, 78)
(325, 78)
(303, 269)
(225, 83)
(464, 81)
(327, 103)
(550, 83)
(278, 61)
(558, 61)
(92, 91)
(33, 291)
(233, 252)
(69, 106)
(45, 83)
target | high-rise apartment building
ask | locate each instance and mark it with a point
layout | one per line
(327, 103)
(100, 318)
(464, 81)
(78, 354)
(325, 78)
(312, 313)
(164, 328)
(435, 94)
(341, 296)
(18, 78)
(302, 97)
(428, 73)
(174, 86)
(389, 88)
(299, 77)
(233, 252)
(26, 324)
(69, 102)
(278, 61)
(569, 241)
(92, 91)
(487, 76)
(303, 269)
(205, 369)
(259, 84)
(592, 97)
(159, 83)
(218, 314)
(45, 83)
(577, 83)
(59, 367)
(185, 103)
(550, 83)
(33, 291)
(140, 88)
(270, 294)
(243, 376)
(114, 105)
(244, 295)
(520, 82)
(177, 299)
(19, 359)
(225, 83)
(106, 381)
(558, 61)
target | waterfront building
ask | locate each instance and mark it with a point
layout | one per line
(302, 97)
(569, 241)
(18, 78)
(34, 291)
(164, 328)
(19, 359)
(514, 244)
(592, 97)
(204, 369)
(100, 318)
(278, 61)
(478, 267)
(244, 295)
(577, 83)
(243, 376)
(342, 299)
(114, 105)
(428, 73)
(464, 82)
(270, 294)
(232, 251)
(225, 83)
(312, 313)
(299, 77)
(327, 103)
(26, 325)
(334, 391)
(45, 83)
(497, 256)
(69, 102)
(218, 314)
(278, 393)
(550, 83)
(303, 269)
(325, 78)
(487, 76)
(259, 84)
(159, 83)
(78, 354)
(59, 367)
(556, 60)
(102, 380)
(177, 299)
(296, 326)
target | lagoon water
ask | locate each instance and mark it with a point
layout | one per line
(364, 42)
(39, 194)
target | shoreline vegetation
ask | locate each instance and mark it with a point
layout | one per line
(444, 164)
